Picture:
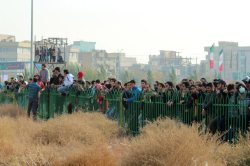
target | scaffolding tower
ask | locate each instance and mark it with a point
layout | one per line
(52, 52)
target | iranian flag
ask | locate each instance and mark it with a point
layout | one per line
(221, 65)
(212, 57)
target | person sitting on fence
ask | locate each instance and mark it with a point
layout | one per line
(33, 93)
(57, 78)
(79, 84)
(68, 81)
(54, 80)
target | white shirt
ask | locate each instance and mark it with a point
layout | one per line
(68, 80)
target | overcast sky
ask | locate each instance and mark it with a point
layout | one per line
(136, 27)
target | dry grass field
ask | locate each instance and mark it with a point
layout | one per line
(89, 139)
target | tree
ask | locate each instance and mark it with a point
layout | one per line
(172, 76)
(126, 76)
(26, 74)
(102, 73)
(150, 77)
(90, 73)
(194, 75)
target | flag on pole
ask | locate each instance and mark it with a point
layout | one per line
(211, 57)
(221, 63)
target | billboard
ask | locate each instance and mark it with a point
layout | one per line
(11, 65)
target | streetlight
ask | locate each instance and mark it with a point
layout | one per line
(31, 40)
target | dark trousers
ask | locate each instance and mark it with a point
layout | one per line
(52, 58)
(32, 107)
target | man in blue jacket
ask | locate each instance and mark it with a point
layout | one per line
(135, 92)
(33, 91)
(133, 114)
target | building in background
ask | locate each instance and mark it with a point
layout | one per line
(235, 61)
(7, 38)
(111, 63)
(126, 62)
(72, 54)
(169, 61)
(14, 56)
(10, 50)
(80, 52)
(84, 46)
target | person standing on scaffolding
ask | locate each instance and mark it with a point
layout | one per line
(53, 55)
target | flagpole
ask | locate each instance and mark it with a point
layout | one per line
(224, 65)
(31, 41)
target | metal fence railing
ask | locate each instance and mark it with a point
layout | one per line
(227, 114)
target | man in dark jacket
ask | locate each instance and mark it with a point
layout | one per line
(33, 91)
(207, 108)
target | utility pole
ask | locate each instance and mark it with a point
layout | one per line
(31, 40)
(196, 67)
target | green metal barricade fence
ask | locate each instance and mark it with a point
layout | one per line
(22, 99)
(86, 100)
(7, 97)
(227, 114)
(113, 106)
(43, 106)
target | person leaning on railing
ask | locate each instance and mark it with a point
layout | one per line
(44, 74)
(57, 78)
(221, 100)
(192, 102)
(135, 91)
(207, 108)
(244, 106)
(78, 86)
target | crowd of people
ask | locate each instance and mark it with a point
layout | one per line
(48, 54)
(186, 92)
